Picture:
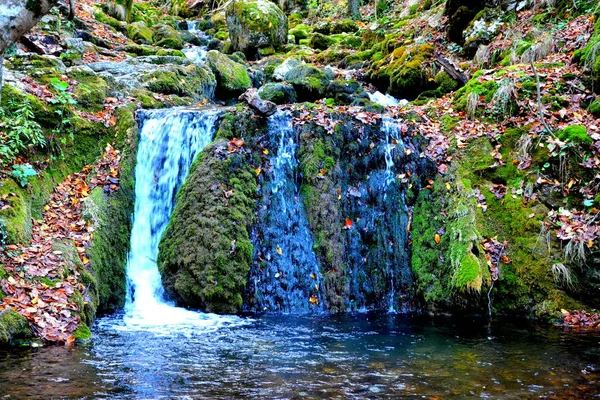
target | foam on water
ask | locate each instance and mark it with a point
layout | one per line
(386, 100)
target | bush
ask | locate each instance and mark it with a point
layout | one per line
(18, 131)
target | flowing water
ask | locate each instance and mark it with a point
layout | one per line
(288, 277)
(196, 54)
(351, 357)
(169, 142)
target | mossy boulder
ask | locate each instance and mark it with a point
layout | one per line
(211, 274)
(13, 326)
(140, 33)
(320, 41)
(278, 93)
(232, 77)
(403, 71)
(254, 24)
(309, 81)
(185, 80)
(343, 26)
(166, 36)
(91, 90)
(594, 108)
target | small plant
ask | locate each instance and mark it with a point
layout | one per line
(18, 131)
(65, 101)
(23, 173)
(562, 274)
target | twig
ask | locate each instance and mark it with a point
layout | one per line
(539, 98)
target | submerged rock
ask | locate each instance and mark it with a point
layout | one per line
(256, 24)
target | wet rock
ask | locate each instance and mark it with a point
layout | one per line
(263, 107)
(13, 326)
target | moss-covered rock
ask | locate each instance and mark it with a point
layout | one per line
(343, 26)
(186, 80)
(278, 93)
(214, 211)
(232, 77)
(320, 41)
(167, 36)
(13, 326)
(309, 81)
(254, 24)
(140, 33)
(90, 90)
(403, 73)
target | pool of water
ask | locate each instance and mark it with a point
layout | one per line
(284, 357)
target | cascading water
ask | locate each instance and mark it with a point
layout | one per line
(286, 276)
(196, 54)
(169, 142)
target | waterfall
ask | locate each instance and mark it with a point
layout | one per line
(169, 142)
(286, 275)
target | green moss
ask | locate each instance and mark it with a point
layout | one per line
(213, 274)
(140, 33)
(576, 134)
(167, 36)
(13, 326)
(111, 217)
(189, 81)
(403, 72)
(90, 90)
(594, 108)
(82, 333)
(232, 77)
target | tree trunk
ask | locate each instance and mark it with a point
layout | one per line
(17, 17)
(128, 10)
(1, 70)
(353, 8)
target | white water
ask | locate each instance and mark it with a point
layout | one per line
(386, 100)
(196, 54)
(169, 142)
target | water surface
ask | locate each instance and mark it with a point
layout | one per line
(284, 357)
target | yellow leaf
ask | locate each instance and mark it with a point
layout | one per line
(448, 187)
(279, 250)
(265, 151)
(258, 171)
(316, 287)
(312, 276)
(437, 238)
(590, 243)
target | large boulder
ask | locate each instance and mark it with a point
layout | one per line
(256, 24)
(232, 77)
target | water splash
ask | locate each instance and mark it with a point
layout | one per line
(170, 140)
(286, 276)
(386, 100)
